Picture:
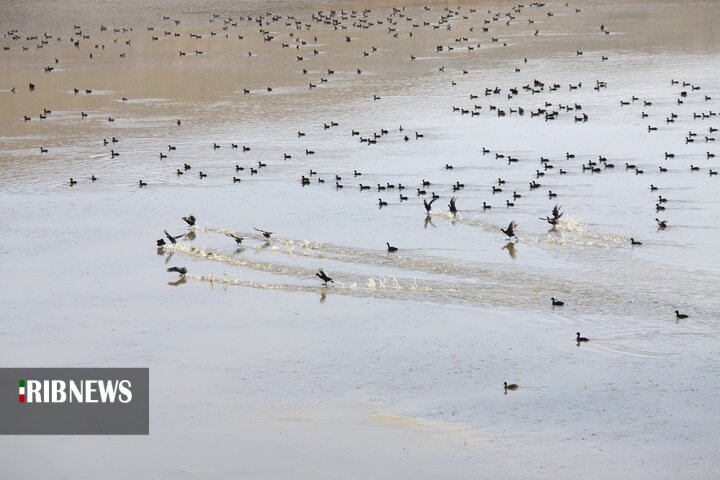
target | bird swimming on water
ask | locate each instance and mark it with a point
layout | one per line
(324, 276)
(580, 339)
(512, 386)
(680, 316)
(557, 303)
(390, 248)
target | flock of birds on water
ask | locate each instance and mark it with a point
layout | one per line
(491, 28)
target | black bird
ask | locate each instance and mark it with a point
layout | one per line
(173, 239)
(680, 316)
(661, 223)
(557, 303)
(390, 248)
(160, 242)
(181, 270)
(72, 182)
(556, 212)
(381, 203)
(324, 276)
(238, 239)
(142, 184)
(512, 386)
(634, 242)
(451, 206)
(190, 220)
(265, 233)
(510, 230)
(428, 205)
(581, 339)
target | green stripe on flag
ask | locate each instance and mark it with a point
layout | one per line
(21, 383)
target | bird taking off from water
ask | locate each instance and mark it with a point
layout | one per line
(324, 276)
(428, 205)
(510, 230)
(190, 220)
(266, 234)
(181, 270)
(555, 216)
(238, 239)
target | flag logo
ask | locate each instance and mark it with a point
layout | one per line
(21, 391)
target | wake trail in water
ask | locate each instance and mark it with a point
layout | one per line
(441, 281)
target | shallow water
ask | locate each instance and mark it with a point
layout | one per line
(400, 359)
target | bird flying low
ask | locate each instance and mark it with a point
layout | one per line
(180, 270)
(173, 239)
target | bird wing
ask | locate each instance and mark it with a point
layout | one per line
(431, 201)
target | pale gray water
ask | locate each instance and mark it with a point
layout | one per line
(84, 285)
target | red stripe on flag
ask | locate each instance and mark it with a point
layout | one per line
(22, 398)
